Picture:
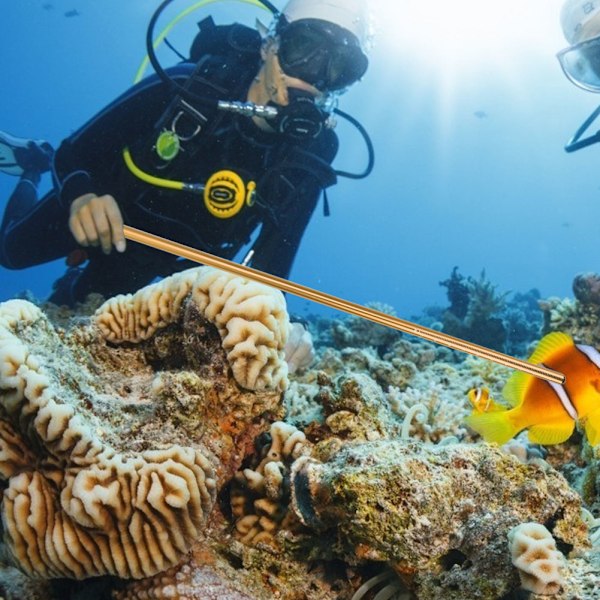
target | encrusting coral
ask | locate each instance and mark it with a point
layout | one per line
(93, 484)
(425, 509)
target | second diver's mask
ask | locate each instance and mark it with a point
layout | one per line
(320, 53)
(581, 64)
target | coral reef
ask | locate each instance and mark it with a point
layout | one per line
(586, 288)
(522, 318)
(93, 486)
(474, 310)
(167, 431)
(436, 514)
(579, 316)
(505, 321)
(356, 332)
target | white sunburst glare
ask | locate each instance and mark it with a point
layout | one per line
(461, 40)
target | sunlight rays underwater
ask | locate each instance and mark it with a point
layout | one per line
(433, 66)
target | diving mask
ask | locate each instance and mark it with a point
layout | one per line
(581, 64)
(320, 53)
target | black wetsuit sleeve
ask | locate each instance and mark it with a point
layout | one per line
(84, 158)
(297, 194)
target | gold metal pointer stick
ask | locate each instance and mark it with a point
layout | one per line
(154, 241)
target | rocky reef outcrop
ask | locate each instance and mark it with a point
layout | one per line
(159, 448)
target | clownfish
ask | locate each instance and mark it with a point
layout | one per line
(547, 410)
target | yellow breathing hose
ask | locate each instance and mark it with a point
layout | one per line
(166, 183)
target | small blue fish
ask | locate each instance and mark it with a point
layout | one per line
(72, 13)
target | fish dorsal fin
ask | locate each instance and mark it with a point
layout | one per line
(516, 387)
(549, 345)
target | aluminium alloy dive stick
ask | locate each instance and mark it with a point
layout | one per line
(284, 285)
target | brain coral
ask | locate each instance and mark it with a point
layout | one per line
(73, 506)
(115, 432)
(251, 318)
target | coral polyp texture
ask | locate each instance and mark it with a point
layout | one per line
(533, 551)
(113, 433)
(251, 318)
(73, 506)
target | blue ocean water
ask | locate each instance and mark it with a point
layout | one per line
(468, 111)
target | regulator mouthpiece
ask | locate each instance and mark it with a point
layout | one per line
(301, 118)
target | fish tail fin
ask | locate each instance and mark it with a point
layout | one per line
(495, 426)
(592, 427)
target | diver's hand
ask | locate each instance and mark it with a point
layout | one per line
(97, 221)
(299, 350)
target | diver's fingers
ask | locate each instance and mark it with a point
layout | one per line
(86, 217)
(79, 219)
(102, 230)
(115, 220)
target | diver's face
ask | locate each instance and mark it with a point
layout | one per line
(275, 82)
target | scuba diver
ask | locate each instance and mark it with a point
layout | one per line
(230, 148)
(580, 62)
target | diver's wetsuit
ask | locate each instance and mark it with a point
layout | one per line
(289, 176)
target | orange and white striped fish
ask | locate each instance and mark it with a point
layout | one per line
(547, 410)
